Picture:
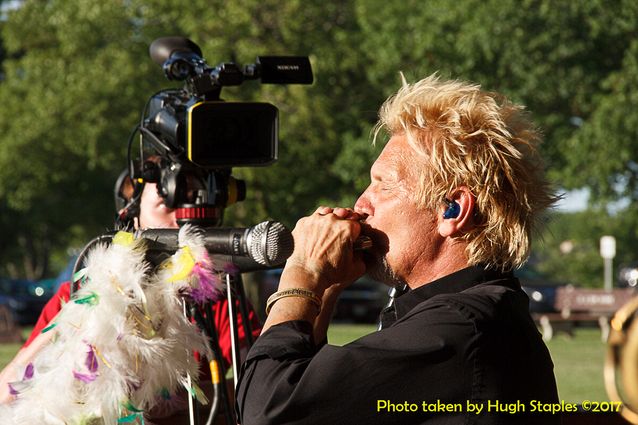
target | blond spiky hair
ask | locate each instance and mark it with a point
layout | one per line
(469, 137)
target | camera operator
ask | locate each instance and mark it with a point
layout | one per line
(145, 208)
(451, 206)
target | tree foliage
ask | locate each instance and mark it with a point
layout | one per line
(69, 105)
(77, 74)
(569, 251)
(553, 56)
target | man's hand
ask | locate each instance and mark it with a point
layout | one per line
(324, 262)
(324, 254)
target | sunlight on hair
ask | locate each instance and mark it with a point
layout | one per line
(464, 136)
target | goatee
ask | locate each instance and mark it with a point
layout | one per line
(379, 269)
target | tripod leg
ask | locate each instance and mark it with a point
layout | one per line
(191, 397)
(218, 372)
(243, 309)
(234, 334)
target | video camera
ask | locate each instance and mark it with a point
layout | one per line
(189, 141)
(197, 138)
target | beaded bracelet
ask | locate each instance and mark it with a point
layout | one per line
(293, 292)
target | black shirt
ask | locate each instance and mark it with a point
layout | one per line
(460, 342)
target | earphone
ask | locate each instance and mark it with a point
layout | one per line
(453, 209)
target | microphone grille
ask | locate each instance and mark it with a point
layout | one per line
(270, 243)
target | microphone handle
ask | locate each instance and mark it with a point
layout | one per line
(242, 264)
(232, 243)
(229, 241)
(163, 242)
(166, 241)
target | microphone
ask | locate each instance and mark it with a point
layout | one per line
(248, 264)
(261, 247)
(363, 243)
(267, 244)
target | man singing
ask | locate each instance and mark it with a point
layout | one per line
(453, 199)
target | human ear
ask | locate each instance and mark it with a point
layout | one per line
(457, 212)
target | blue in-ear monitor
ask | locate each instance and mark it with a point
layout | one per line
(453, 209)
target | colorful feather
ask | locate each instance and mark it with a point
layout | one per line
(132, 311)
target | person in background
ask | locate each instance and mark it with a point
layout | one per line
(453, 199)
(144, 208)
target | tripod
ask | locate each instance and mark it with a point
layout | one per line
(234, 290)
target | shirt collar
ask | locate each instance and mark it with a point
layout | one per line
(456, 282)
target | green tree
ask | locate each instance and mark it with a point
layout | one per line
(569, 250)
(70, 97)
(607, 142)
(313, 120)
(553, 56)
(83, 73)
(76, 80)
(573, 64)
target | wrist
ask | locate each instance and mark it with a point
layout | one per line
(290, 308)
(306, 294)
(297, 275)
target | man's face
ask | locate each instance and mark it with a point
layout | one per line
(405, 238)
(154, 214)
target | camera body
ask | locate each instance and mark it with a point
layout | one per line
(216, 134)
(196, 138)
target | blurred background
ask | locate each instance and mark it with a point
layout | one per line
(75, 75)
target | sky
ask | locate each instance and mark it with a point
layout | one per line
(573, 201)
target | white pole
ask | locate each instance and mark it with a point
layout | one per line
(608, 274)
(608, 252)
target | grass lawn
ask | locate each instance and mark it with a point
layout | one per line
(578, 361)
(578, 365)
(7, 351)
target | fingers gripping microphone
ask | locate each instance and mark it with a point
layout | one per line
(268, 244)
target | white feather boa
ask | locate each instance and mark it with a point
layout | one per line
(122, 343)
